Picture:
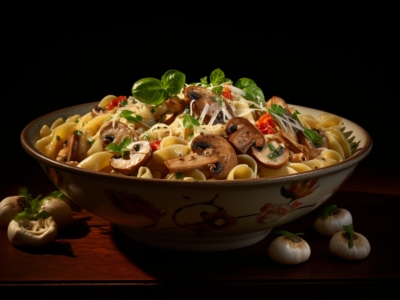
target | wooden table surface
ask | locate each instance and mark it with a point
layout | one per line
(93, 254)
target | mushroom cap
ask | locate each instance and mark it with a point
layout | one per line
(242, 134)
(110, 134)
(97, 110)
(139, 154)
(276, 100)
(70, 150)
(313, 151)
(211, 152)
(167, 118)
(176, 105)
(202, 96)
(262, 156)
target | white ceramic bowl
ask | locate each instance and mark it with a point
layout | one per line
(194, 216)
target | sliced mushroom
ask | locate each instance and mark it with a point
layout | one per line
(110, 134)
(271, 159)
(70, 150)
(97, 110)
(292, 145)
(176, 105)
(167, 118)
(211, 152)
(139, 155)
(243, 134)
(276, 100)
(313, 150)
(205, 96)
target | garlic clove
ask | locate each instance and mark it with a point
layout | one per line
(27, 232)
(59, 210)
(333, 222)
(10, 207)
(289, 250)
(339, 246)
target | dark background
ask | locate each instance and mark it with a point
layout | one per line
(348, 70)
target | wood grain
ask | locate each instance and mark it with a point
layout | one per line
(91, 251)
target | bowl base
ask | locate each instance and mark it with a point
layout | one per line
(197, 243)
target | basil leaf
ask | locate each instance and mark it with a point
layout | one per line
(277, 109)
(204, 80)
(131, 119)
(254, 93)
(244, 82)
(150, 91)
(224, 80)
(173, 81)
(218, 90)
(216, 75)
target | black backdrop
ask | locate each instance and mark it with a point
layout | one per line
(345, 74)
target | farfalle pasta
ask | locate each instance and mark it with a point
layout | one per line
(198, 132)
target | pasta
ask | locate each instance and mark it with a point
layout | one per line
(202, 132)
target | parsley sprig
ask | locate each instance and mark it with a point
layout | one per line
(275, 152)
(121, 148)
(127, 115)
(189, 121)
(32, 212)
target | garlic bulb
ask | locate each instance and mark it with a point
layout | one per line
(59, 210)
(332, 219)
(10, 207)
(354, 248)
(289, 250)
(26, 232)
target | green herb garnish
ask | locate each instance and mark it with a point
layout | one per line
(78, 132)
(191, 135)
(91, 141)
(218, 90)
(350, 230)
(271, 147)
(77, 121)
(127, 115)
(314, 137)
(32, 212)
(108, 119)
(147, 136)
(275, 152)
(204, 80)
(277, 109)
(285, 233)
(123, 103)
(253, 92)
(179, 175)
(153, 111)
(324, 213)
(154, 91)
(294, 116)
(121, 148)
(189, 121)
(58, 138)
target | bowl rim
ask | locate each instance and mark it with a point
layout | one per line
(41, 158)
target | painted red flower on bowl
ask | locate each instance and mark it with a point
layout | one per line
(135, 205)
